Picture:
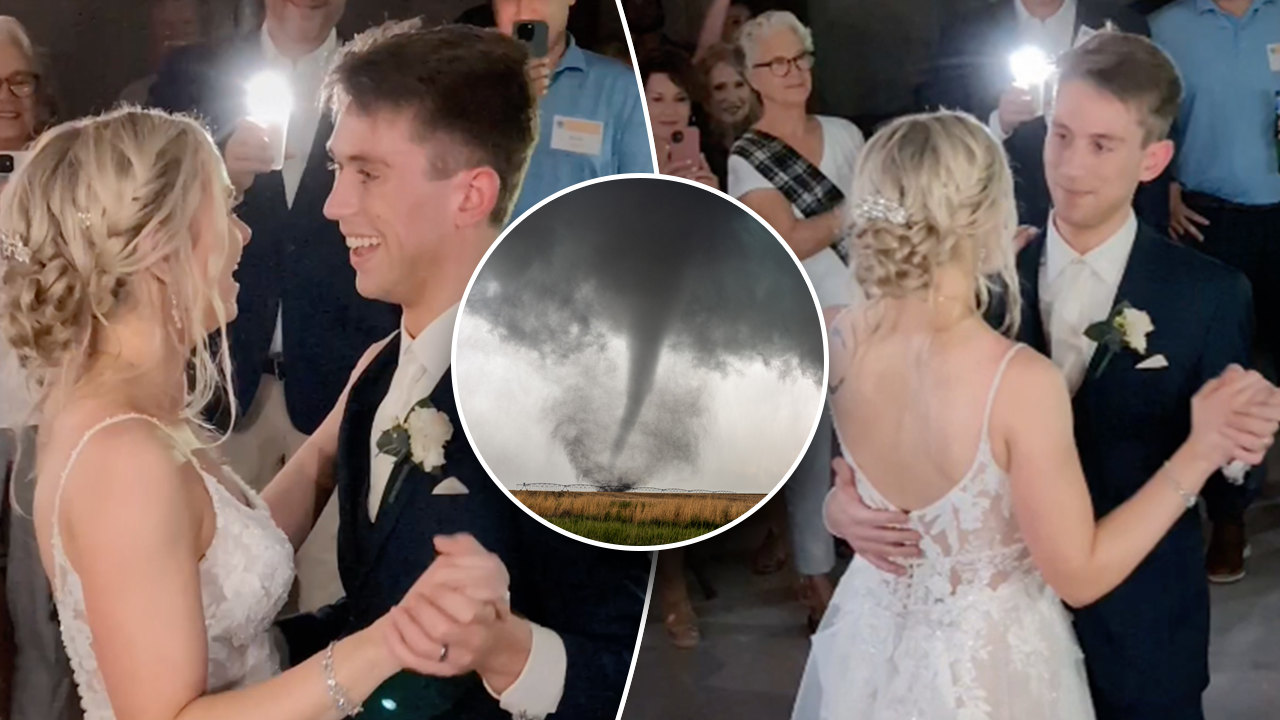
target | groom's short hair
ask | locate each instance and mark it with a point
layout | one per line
(465, 88)
(1132, 69)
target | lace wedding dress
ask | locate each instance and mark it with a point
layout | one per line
(972, 632)
(245, 578)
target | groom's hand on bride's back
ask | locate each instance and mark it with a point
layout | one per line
(878, 536)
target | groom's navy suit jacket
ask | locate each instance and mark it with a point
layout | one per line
(593, 598)
(1146, 643)
(296, 257)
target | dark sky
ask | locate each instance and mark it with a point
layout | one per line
(650, 267)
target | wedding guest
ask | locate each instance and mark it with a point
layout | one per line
(37, 673)
(669, 83)
(302, 326)
(971, 71)
(27, 103)
(173, 24)
(790, 168)
(590, 117)
(732, 106)
(1226, 198)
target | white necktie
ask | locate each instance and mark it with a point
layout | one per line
(400, 399)
(1068, 345)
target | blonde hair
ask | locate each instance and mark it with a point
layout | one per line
(952, 179)
(107, 208)
(766, 24)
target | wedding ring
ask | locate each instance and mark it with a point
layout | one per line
(444, 652)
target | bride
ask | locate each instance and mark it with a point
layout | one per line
(976, 628)
(117, 245)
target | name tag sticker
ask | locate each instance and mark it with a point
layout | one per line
(1083, 36)
(1273, 57)
(584, 137)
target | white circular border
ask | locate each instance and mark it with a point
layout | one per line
(453, 360)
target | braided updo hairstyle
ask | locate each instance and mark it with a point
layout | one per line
(107, 209)
(952, 179)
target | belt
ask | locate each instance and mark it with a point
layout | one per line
(1217, 203)
(273, 366)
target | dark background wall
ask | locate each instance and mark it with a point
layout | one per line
(97, 47)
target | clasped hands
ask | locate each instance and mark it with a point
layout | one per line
(457, 618)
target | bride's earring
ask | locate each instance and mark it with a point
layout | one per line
(173, 308)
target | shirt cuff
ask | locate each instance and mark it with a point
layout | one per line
(536, 693)
(993, 122)
(825, 523)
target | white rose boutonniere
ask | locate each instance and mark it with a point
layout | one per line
(421, 436)
(1126, 328)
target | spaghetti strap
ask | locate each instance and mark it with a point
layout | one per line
(995, 385)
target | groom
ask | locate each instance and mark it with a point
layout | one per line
(433, 130)
(1146, 643)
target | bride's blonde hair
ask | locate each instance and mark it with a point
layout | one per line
(930, 191)
(107, 210)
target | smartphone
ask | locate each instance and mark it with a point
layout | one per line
(686, 145)
(533, 33)
(11, 162)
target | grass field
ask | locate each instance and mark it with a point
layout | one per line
(637, 518)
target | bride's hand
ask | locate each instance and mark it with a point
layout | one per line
(456, 618)
(1255, 420)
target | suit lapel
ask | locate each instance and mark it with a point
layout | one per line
(408, 481)
(1032, 330)
(1140, 287)
(355, 529)
(1089, 15)
(316, 181)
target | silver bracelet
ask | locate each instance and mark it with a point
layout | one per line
(1187, 498)
(336, 692)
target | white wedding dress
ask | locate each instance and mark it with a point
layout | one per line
(972, 632)
(245, 578)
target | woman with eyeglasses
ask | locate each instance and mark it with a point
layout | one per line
(793, 169)
(25, 107)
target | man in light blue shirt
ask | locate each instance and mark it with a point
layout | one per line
(1226, 195)
(591, 117)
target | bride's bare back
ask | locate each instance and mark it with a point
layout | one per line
(909, 406)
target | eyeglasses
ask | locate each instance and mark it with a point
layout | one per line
(781, 67)
(21, 84)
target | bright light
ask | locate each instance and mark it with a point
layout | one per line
(1031, 67)
(270, 99)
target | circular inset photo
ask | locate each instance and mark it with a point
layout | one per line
(640, 362)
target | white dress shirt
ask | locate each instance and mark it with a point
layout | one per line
(537, 691)
(423, 361)
(1078, 290)
(1054, 35)
(306, 76)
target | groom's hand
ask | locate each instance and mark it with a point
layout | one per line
(457, 619)
(878, 536)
